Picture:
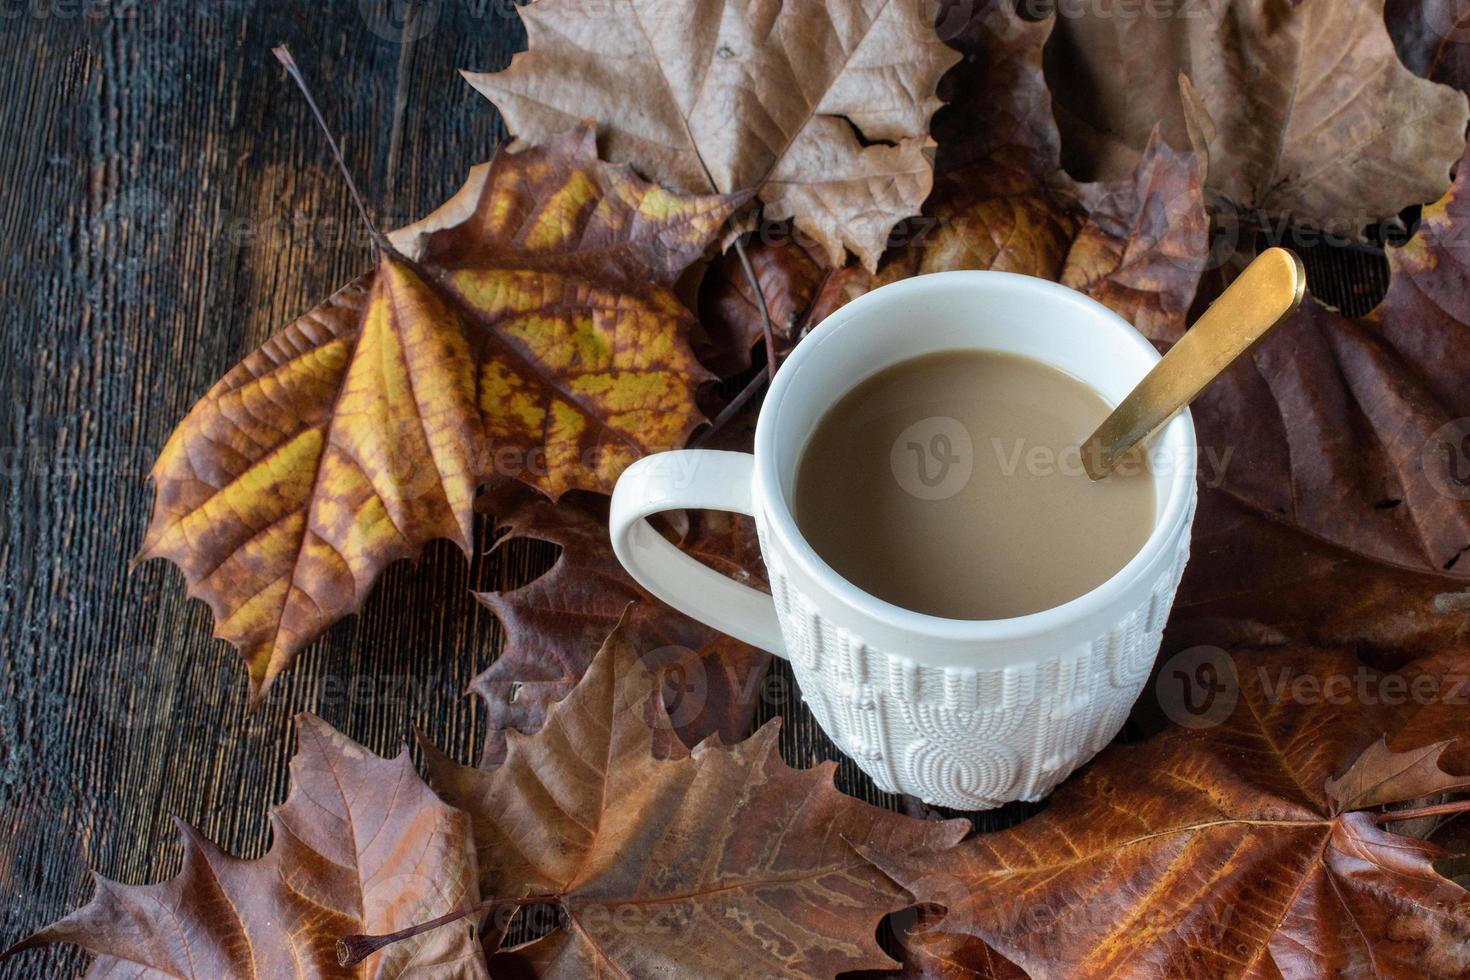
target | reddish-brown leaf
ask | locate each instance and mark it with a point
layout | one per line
(554, 624)
(360, 845)
(1335, 472)
(533, 333)
(694, 864)
(1213, 852)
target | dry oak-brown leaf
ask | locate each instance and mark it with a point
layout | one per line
(1212, 853)
(1303, 104)
(360, 845)
(554, 625)
(696, 863)
(821, 108)
(1380, 776)
(529, 331)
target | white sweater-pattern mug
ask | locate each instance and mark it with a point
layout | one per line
(965, 714)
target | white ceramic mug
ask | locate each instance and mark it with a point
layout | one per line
(967, 714)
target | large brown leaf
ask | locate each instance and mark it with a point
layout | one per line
(1001, 201)
(1335, 493)
(1215, 852)
(822, 109)
(554, 624)
(1303, 104)
(360, 845)
(533, 333)
(694, 864)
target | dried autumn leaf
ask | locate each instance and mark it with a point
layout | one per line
(1303, 104)
(1435, 708)
(822, 109)
(360, 845)
(791, 272)
(1138, 245)
(1432, 38)
(927, 954)
(532, 333)
(1335, 497)
(554, 624)
(687, 865)
(1001, 201)
(1211, 853)
(1380, 776)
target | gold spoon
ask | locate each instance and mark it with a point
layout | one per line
(1268, 291)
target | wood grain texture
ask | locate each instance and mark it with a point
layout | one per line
(166, 204)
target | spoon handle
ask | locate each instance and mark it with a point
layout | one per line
(1269, 290)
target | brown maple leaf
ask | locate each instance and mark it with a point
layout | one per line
(554, 624)
(1215, 852)
(1303, 104)
(1001, 201)
(529, 330)
(693, 864)
(361, 844)
(1335, 482)
(822, 109)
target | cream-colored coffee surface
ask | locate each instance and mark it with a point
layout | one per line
(951, 484)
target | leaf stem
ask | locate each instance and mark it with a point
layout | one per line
(1394, 816)
(736, 404)
(283, 55)
(353, 949)
(760, 303)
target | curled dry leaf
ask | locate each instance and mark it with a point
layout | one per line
(1002, 202)
(686, 865)
(533, 333)
(1137, 244)
(1213, 852)
(822, 109)
(1335, 481)
(1380, 776)
(360, 845)
(554, 624)
(800, 290)
(1303, 105)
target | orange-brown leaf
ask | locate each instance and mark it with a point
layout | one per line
(1214, 852)
(678, 863)
(360, 845)
(533, 333)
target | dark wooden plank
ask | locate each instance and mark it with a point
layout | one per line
(166, 204)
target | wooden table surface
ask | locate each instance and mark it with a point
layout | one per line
(166, 203)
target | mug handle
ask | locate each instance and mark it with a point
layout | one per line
(704, 479)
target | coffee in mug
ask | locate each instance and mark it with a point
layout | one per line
(952, 484)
